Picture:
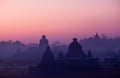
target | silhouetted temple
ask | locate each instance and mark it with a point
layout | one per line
(48, 58)
(97, 37)
(75, 59)
(43, 41)
(60, 56)
(89, 54)
(75, 50)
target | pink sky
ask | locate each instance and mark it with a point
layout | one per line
(27, 20)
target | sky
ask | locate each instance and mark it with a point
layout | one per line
(27, 20)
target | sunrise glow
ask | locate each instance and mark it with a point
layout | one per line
(27, 20)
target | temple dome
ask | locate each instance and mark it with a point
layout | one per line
(75, 49)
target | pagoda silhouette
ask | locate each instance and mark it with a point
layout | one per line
(43, 41)
(74, 59)
(75, 50)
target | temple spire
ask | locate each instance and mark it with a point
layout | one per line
(48, 57)
(89, 54)
(43, 41)
(60, 56)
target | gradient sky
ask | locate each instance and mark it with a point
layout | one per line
(27, 20)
